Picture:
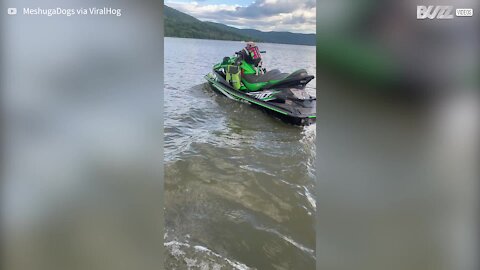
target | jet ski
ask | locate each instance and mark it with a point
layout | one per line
(280, 94)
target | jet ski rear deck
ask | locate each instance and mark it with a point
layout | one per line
(284, 99)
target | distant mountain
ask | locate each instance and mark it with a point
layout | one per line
(179, 24)
(272, 37)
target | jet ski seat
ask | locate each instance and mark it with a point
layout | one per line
(273, 74)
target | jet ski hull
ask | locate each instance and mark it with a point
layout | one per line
(283, 102)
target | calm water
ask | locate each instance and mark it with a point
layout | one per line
(238, 183)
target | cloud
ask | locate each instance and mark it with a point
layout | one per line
(264, 15)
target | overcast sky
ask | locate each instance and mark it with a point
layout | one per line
(265, 15)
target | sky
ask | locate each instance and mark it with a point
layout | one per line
(298, 16)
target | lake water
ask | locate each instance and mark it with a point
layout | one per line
(239, 184)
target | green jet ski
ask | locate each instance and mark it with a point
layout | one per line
(280, 94)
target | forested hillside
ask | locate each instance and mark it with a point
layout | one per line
(178, 24)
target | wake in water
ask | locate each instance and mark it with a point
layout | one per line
(308, 139)
(198, 257)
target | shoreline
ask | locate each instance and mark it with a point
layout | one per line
(260, 42)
